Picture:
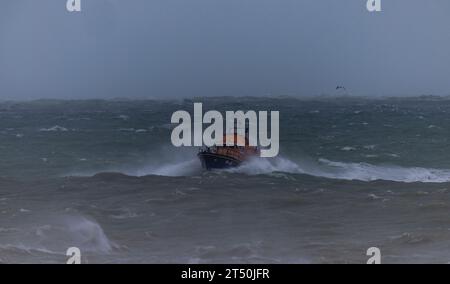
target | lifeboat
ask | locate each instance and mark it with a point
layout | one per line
(222, 157)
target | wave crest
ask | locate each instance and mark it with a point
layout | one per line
(346, 171)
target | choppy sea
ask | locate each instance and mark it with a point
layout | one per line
(102, 175)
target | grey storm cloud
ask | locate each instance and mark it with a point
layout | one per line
(181, 48)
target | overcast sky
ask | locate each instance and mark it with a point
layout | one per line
(182, 48)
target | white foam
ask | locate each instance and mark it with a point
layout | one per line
(55, 235)
(345, 171)
(88, 234)
(181, 163)
(258, 166)
(54, 128)
(348, 148)
(27, 249)
(123, 117)
(125, 214)
(368, 172)
(7, 230)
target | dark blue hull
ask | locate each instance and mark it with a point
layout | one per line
(214, 161)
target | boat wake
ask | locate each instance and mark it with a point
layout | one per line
(345, 171)
(185, 163)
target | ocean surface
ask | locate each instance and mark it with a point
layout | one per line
(102, 175)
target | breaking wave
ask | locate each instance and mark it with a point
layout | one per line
(321, 168)
(183, 162)
(369, 172)
(346, 171)
(52, 235)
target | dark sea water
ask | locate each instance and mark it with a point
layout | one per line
(103, 176)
